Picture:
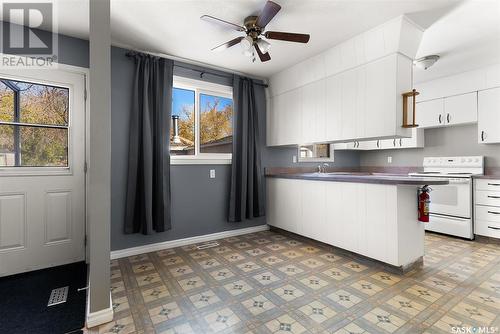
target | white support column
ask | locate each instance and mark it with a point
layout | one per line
(99, 172)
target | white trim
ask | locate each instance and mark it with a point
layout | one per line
(100, 317)
(183, 160)
(183, 242)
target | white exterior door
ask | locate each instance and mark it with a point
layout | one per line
(42, 180)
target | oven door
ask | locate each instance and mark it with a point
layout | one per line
(453, 199)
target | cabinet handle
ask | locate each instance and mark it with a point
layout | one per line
(439, 118)
(400, 141)
(489, 196)
(378, 143)
(494, 213)
(494, 184)
(482, 135)
(394, 142)
(448, 118)
(494, 228)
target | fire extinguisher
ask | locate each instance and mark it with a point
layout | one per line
(423, 204)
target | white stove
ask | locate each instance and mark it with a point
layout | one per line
(451, 205)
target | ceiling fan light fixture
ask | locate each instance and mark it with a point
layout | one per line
(263, 45)
(246, 43)
(248, 53)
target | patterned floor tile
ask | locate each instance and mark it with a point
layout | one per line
(344, 298)
(406, 305)
(204, 299)
(165, 312)
(120, 326)
(181, 329)
(155, 293)
(222, 319)
(314, 282)
(384, 320)
(285, 324)
(366, 287)
(351, 328)
(237, 288)
(288, 292)
(258, 304)
(191, 283)
(266, 278)
(181, 271)
(317, 311)
(291, 270)
(424, 293)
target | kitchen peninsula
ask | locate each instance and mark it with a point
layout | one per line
(371, 214)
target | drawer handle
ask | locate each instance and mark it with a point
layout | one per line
(494, 228)
(494, 184)
(489, 196)
(494, 213)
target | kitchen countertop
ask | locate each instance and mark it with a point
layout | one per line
(490, 176)
(360, 177)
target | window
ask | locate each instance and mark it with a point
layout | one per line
(34, 124)
(201, 128)
(316, 152)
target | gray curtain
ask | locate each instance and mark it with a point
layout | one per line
(148, 183)
(247, 188)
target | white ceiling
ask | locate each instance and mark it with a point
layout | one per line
(465, 33)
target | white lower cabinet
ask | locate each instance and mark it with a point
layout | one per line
(487, 208)
(377, 221)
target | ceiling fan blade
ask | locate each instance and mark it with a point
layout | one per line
(287, 36)
(263, 56)
(267, 14)
(222, 23)
(227, 45)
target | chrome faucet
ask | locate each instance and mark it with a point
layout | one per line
(322, 168)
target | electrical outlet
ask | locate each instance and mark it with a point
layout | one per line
(212, 173)
(389, 160)
(294, 159)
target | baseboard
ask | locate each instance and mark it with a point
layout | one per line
(183, 242)
(99, 317)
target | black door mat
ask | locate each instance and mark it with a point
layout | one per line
(24, 297)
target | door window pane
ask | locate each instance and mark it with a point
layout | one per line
(41, 104)
(38, 146)
(182, 131)
(216, 124)
(6, 103)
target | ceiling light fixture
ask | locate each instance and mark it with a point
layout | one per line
(426, 62)
(246, 43)
(263, 45)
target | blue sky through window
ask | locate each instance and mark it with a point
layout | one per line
(182, 98)
(206, 100)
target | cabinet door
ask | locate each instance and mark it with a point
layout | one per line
(333, 108)
(313, 210)
(319, 88)
(360, 106)
(290, 118)
(273, 121)
(460, 109)
(308, 114)
(348, 100)
(283, 203)
(430, 113)
(489, 116)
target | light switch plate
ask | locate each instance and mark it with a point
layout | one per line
(212, 173)
(389, 160)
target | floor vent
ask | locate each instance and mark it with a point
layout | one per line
(208, 245)
(58, 296)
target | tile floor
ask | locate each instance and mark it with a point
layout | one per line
(274, 283)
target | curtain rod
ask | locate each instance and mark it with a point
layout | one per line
(202, 72)
(131, 52)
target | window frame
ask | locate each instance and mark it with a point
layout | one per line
(43, 170)
(331, 158)
(207, 88)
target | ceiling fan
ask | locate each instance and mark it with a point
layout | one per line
(254, 28)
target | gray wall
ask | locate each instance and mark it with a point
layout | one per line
(451, 141)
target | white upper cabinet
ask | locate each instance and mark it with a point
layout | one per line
(349, 92)
(430, 113)
(489, 116)
(460, 109)
(452, 110)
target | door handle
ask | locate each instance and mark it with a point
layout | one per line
(439, 118)
(489, 196)
(482, 135)
(494, 228)
(448, 118)
(494, 213)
